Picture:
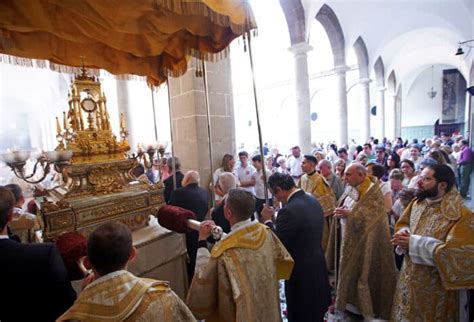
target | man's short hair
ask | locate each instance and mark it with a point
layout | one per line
(368, 145)
(241, 202)
(16, 190)
(295, 147)
(342, 150)
(109, 247)
(226, 182)
(377, 170)
(326, 163)
(443, 173)
(243, 154)
(177, 163)
(257, 158)
(416, 146)
(281, 180)
(311, 159)
(7, 201)
(409, 162)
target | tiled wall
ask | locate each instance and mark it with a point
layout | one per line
(419, 132)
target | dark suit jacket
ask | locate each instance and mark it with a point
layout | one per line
(169, 185)
(218, 216)
(299, 226)
(35, 280)
(196, 199)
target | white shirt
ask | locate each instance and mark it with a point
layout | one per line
(246, 174)
(259, 186)
(294, 165)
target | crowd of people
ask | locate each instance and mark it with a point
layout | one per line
(378, 231)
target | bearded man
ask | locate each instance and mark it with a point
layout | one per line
(436, 232)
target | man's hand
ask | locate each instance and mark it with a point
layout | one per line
(205, 229)
(341, 212)
(87, 280)
(268, 213)
(401, 239)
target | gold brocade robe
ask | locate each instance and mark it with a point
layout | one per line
(429, 293)
(239, 283)
(366, 271)
(317, 185)
(121, 296)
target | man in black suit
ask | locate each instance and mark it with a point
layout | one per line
(299, 226)
(196, 199)
(28, 272)
(169, 184)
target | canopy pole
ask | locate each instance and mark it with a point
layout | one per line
(154, 114)
(264, 173)
(173, 158)
(209, 133)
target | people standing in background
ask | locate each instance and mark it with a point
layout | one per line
(169, 182)
(259, 185)
(294, 163)
(227, 165)
(465, 168)
(245, 173)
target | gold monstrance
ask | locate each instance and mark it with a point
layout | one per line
(98, 185)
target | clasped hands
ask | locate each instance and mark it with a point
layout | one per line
(341, 212)
(401, 239)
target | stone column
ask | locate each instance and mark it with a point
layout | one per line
(343, 136)
(123, 104)
(392, 115)
(189, 121)
(380, 103)
(365, 108)
(398, 115)
(303, 99)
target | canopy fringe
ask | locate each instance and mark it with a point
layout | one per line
(197, 8)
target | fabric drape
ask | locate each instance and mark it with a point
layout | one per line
(151, 38)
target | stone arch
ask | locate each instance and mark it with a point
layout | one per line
(392, 82)
(330, 23)
(362, 55)
(379, 71)
(294, 16)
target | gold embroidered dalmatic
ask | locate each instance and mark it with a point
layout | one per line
(429, 293)
(317, 185)
(240, 281)
(367, 271)
(125, 297)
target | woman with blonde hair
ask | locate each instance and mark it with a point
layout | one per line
(340, 168)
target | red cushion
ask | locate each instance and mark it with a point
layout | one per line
(72, 246)
(175, 218)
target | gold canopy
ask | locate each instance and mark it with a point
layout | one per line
(149, 38)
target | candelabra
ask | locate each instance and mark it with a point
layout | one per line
(16, 161)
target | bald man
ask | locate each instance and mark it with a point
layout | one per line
(366, 270)
(196, 199)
